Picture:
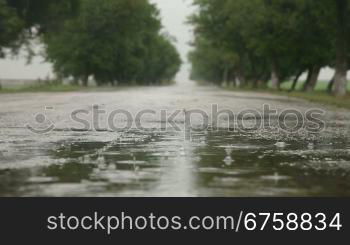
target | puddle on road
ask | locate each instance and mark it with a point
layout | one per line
(212, 163)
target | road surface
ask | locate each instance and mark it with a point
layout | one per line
(203, 159)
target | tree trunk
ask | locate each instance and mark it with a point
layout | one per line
(295, 82)
(340, 78)
(265, 80)
(85, 81)
(225, 76)
(311, 84)
(234, 82)
(241, 77)
(256, 83)
(232, 79)
(261, 83)
(275, 80)
(330, 85)
(75, 82)
(308, 79)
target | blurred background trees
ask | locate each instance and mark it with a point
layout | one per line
(271, 41)
(112, 41)
(11, 27)
(255, 43)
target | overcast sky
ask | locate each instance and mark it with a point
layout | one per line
(173, 13)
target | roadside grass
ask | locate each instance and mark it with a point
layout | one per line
(41, 88)
(321, 85)
(47, 86)
(318, 96)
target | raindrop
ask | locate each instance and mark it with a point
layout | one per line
(228, 161)
(102, 166)
(281, 144)
(112, 167)
(182, 151)
(101, 160)
(61, 161)
(311, 146)
(276, 177)
(228, 150)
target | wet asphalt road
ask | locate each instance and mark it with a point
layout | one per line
(215, 160)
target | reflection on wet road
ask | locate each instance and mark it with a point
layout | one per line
(152, 162)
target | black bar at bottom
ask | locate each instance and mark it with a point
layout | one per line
(162, 220)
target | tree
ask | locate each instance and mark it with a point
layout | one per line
(10, 28)
(161, 61)
(23, 20)
(44, 15)
(115, 41)
(341, 40)
(284, 38)
(207, 61)
(250, 34)
(217, 30)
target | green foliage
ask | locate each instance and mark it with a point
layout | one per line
(10, 28)
(23, 20)
(44, 15)
(41, 88)
(115, 41)
(256, 38)
(208, 63)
